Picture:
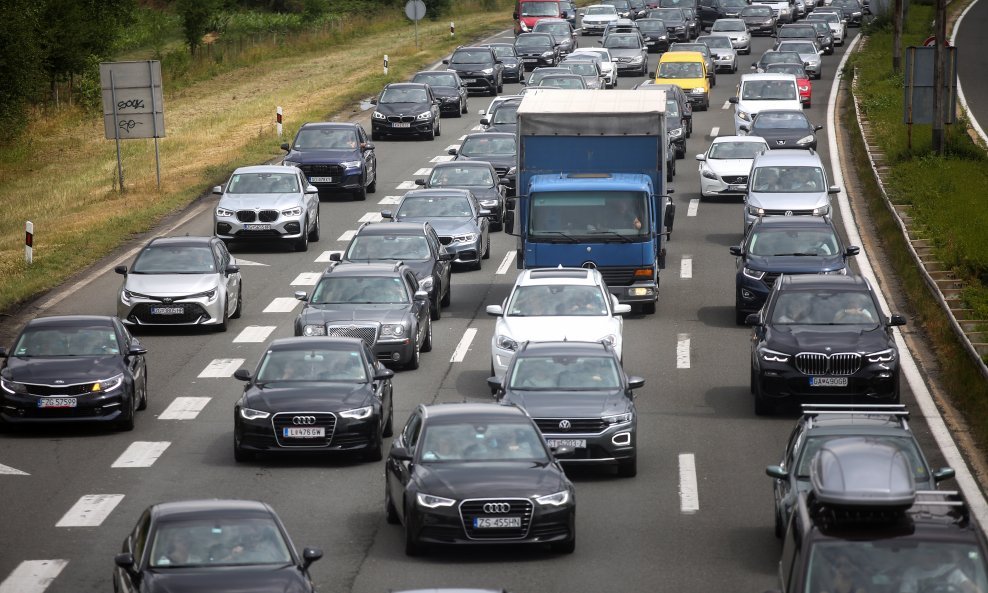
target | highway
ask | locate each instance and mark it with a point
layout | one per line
(972, 65)
(697, 518)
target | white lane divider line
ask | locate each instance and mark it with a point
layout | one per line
(689, 496)
(406, 185)
(371, 217)
(347, 235)
(442, 158)
(247, 262)
(461, 349)
(727, 105)
(254, 333)
(422, 172)
(6, 470)
(506, 262)
(90, 510)
(478, 128)
(714, 131)
(141, 454)
(462, 138)
(324, 257)
(282, 305)
(32, 576)
(184, 408)
(390, 200)
(220, 368)
(686, 267)
(683, 351)
(694, 206)
(306, 279)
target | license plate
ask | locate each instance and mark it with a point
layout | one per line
(530, 60)
(167, 310)
(828, 381)
(735, 187)
(257, 227)
(496, 522)
(576, 443)
(304, 432)
(399, 124)
(649, 43)
(321, 179)
(57, 402)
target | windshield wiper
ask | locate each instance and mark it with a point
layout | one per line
(797, 254)
(623, 238)
(561, 235)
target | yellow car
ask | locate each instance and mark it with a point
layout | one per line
(688, 70)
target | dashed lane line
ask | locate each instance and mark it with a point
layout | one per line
(442, 158)
(689, 496)
(254, 334)
(32, 576)
(282, 305)
(422, 172)
(683, 351)
(726, 105)
(686, 267)
(406, 185)
(6, 470)
(693, 207)
(220, 368)
(184, 408)
(371, 217)
(714, 131)
(453, 146)
(307, 279)
(390, 200)
(347, 235)
(506, 262)
(464, 346)
(141, 454)
(90, 510)
(247, 262)
(478, 128)
(326, 256)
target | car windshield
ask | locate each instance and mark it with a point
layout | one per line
(780, 120)
(651, 25)
(796, 70)
(67, 341)
(567, 300)
(733, 3)
(218, 541)
(461, 176)
(506, 114)
(561, 82)
(697, 47)
(680, 70)
(601, 11)
(435, 207)
(825, 307)
(735, 150)
(669, 15)
(175, 259)
(558, 29)
(534, 42)
(821, 27)
(618, 4)
(798, 47)
(263, 183)
(539, 73)
(601, 54)
(729, 25)
(504, 51)
(312, 365)
(539, 9)
(372, 290)
(672, 108)
(436, 79)
(471, 57)
(829, 17)
(473, 441)
(389, 247)
(403, 95)
(568, 373)
(762, 11)
(327, 138)
(773, 242)
(902, 443)
(582, 68)
(768, 90)
(485, 145)
(788, 179)
(717, 41)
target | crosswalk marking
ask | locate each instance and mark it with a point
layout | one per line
(694, 206)
(371, 217)
(221, 367)
(32, 576)
(683, 351)
(406, 185)
(442, 158)
(347, 235)
(689, 496)
(6, 470)
(306, 279)
(90, 510)
(141, 454)
(714, 131)
(184, 408)
(282, 305)
(254, 333)
(686, 267)
(464, 346)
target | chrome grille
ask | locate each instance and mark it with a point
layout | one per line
(445, 240)
(735, 179)
(577, 425)
(817, 363)
(401, 118)
(770, 278)
(284, 420)
(246, 215)
(267, 215)
(367, 333)
(618, 276)
(789, 213)
(472, 508)
(322, 170)
(44, 390)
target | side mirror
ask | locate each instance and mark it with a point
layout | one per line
(301, 295)
(421, 295)
(944, 473)
(753, 67)
(752, 319)
(670, 216)
(135, 349)
(817, 128)
(310, 555)
(495, 385)
(744, 128)
(382, 374)
(852, 250)
(635, 382)
(651, 74)
(121, 270)
(242, 375)
(485, 214)
(400, 454)
(897, 319)
(367, 146)
(3, 352)
(217, 190)
(373, 101)
(504, 181)
(734, 100)
(387, 214)
(495, 310)
(820, 53)
(445, 61)
(485, 121)
(311, 189)
(451, 151)
(420, 182)
(622, 309)
(509, 222)
(125, 560)
(231, 270)
(701, 157)
(776, 471)
(335, 257)
(833, 189)
(514, 15)
(736, 250)
(286, 146)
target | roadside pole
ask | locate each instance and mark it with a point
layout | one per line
(939, 65)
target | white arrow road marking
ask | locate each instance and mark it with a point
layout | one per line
(506, 262)
(689, 496)
(324, 257)
(347, 235)
(683, 351)
(443, 158)
(371, 217)
(422, 172)
(247, 262)
(32, 576)
(406, 185)
(255, 333)
(221, 367)
(141, 454)
(90, 510)
(6, 470)
(184, 408)
(694, 206)
(464, 345)
(282, 305)
(714, 131)
(686, 267)
(306, 279)
(390, 200)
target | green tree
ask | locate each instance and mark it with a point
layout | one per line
(197, 16)
(436, 8)
(21, 64)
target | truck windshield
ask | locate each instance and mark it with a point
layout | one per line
(620, 215)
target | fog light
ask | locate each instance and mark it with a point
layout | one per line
(640, 291)
(395, 356)
(746, 294)
(884, 375)
(621, 439)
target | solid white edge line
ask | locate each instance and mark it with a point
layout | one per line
(686, 267)
(951, 453)
(960, 90)
(682, 351)
(693, 207)
(461, 349)
(689, 494)
(90, 510)
(506, 262)
(32, 576)
(141, 454)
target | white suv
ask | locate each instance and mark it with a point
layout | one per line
(544, 306)
(763, 91)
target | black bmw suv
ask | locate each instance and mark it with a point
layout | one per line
(335, 157)
(479, 68)
(406, 109)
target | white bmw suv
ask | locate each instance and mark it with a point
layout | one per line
(543, 307)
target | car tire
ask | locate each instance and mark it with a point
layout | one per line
(412, 545)
(564, 547)
(240, 454)
(302, 245)
(427, 340)
(439, 128)
(680, 154)
(143, 404)
(466, 107)
(431, 134)
(808, 105)
(487, 248)
(648, 308)
(360, 195)
(780, 528)
(376, 451)
(448, 297)
(435, 309)
(414, 362)
(372, 187)
(389, 427)
(314, 233)
(628, 468)
(390, 512)
(500, 85)
(126, 422)
(375, 136)
(221, 327)
(240, 303)
(493, 389)
(739, 315)
(763, 407)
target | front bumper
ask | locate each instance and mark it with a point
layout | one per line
(659, 45)
(480, 84)
(415, 128)
(630, 66)
(722, 187)
(229, 228)
(679, 34)
(763, 29)
(18, 408)
(449, 105)
(741, 44)
(728, 64)
(515, 73)
(870, 383)
(698, 99)
(593, 28)
(464, 253)
(394, 351)
(197, 311)
(533, 62)
(615, 444)
(455, 524)
(750, 294)
(342, 434)
(329, 177)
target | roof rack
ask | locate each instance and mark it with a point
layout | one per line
(890, 411)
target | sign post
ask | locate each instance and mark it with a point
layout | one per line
(29, 242)
(415, 10)
(278, 115)
(133, 105)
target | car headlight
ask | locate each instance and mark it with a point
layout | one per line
(524, 27)
(352, 164)
(465, 238)
(768, 22)
(424, 116)
(358, 413)
(821, 211)
(249, 414)
(773, 356)
(617, 418)
(433, 502)
(840, 272)
(557, 499)
(314, 330)
(756, 211)
(108, 385)
(378, 115)
(753, 274)
(806, 140)
(699, 90)
(292, 212)
(636, 60)
(744, 115)
(883, 356)
(547, 54)
(12, 387)
(709, 174)
(487, 71)
(426, 283)
(676, 132)
(208, 294)
(289, 163)
(392, 329)
(506, 343)
(224, 213)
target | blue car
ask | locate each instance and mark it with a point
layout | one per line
(335, 157)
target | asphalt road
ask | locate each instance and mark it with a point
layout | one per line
(695, 411)
(971, 63)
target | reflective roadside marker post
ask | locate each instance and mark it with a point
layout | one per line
(278, 119)
(385, 64)
(452, 28)
(29, 242)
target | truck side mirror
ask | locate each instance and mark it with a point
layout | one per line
(670, 216)
(509, 222)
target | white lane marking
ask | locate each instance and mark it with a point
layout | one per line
(714, 131)
(347, 235)
(247, 262)
(324, 256)
(90, 510)
(371, 217)
(686, 267)
(282, 305)
(184, 408)
(462, 138)
(255, 333)
(727, 105)
(390, 200)
(422, 172)
(683, 351)
(221, 368)
(442, 158)
(477, 128)
(689, 497)
(141, 454)
(694, 206)
(464, 345)
(32, 576)
(406, 185)
(506, 262)
(453, 146)
(306, 279)
(6, 470)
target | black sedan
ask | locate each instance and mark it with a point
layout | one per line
(314, 395)
(783, 128)
(221, 546)
(470, 473)
(823, 339)
(536, 49)
(656, 34)
(448, 88)
(73, 368)
(579, 397)
(500, 149)
(406, 109)
(514, 70)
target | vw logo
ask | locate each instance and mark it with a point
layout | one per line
(788, 212)
(303, 420)
(589, 265)
(497, 507)
(565, 425)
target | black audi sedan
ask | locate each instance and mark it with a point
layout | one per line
(220, 546)
(73, 368)
(480, 177)
(823, 339)
(467, 473)
(406, 109)
(314, 395)
(783, 128)
(378, 303)
(580, 397)
(448, 88)
(500, 149)
(336, 157)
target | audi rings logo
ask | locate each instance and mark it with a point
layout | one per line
(303, 420)
(565, 425)
(589, 265)
(497, 507)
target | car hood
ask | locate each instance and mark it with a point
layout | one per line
(260, 201)
(734, 35)
(266, 579)
(489, 479)
(320, 396)
(502, 128)
(323, 155)
(795, 264)
(160, 285)
(623, 52)
(827, 338)
(551, 327)
(402, 108)
(570, 404)
(343, 313)
(599, 18)
(70, 369)
(687, 84)
(772, 134)
(446, 226)
(756, 20)
(788, 201)
(506, 160)
(730, 166)
(758, 105)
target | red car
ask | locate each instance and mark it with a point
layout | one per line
(802, 80)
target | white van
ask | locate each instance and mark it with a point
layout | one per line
(763, 91)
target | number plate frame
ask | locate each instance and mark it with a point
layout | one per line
(401, 124)
(496, 522)
(828, 382)
(304, 432)
(320, 179)
(576, 443)
(257, 227)
(58, 402)
(172, 310)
